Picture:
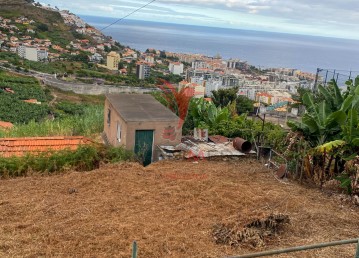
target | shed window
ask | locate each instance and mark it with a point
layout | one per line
(118, 132)
(109, 116)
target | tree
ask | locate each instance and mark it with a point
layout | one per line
(244, 104)
(206, 114)
(223, 97)
(163, 54)
(107, 49)
(42, 27)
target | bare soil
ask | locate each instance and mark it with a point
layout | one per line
(169, 208)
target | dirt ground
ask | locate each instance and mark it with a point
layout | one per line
(169, 208)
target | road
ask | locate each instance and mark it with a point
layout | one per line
(81, 88)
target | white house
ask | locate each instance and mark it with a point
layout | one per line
(175, 67)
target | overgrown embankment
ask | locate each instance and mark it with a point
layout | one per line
(85, 158)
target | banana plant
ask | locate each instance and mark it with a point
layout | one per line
(205, 114)
(331, 128)
(323, 121)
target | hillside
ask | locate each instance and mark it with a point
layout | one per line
(57, 31)
(170, 208)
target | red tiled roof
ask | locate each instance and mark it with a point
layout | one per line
(34, 145)
(6, 124)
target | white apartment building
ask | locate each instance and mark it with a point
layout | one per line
(247, 92)
(212, 85)
(199, 64)
(232, 63)
(32, 53)
(175, 67)
(143, 71)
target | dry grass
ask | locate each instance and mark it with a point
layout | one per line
(170, 208)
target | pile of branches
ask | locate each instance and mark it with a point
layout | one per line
(253, 233)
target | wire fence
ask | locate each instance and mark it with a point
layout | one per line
(324, 76)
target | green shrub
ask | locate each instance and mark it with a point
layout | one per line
(87, 124)
(85, 158)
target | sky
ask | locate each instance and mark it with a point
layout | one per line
(332, 18)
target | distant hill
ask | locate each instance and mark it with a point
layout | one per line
(13, 2)
(56, 30)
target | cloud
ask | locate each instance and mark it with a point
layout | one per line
(104, 8)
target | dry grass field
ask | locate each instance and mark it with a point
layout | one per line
(170, 208)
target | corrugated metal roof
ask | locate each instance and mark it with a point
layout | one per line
(217, 138)
(205, 149)
(21, 146)
(140, 108)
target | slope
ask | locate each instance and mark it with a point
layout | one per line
(170, 208)
(57, 31)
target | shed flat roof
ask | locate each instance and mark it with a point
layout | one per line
(140, 107)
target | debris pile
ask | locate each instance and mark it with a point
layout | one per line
(253, 233)
(217, 146)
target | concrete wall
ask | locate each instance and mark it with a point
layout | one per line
(31, 53)
(92, 89)
(111, 129)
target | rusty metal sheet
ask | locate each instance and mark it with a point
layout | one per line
(218, 138)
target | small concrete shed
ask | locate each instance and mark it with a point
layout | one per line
(140, 123)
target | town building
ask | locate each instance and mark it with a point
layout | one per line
(175, 67)
(143, 71)
(150, 59)
(212, 85)
(113, 59)
(96, 58)
(233, 64)
(199, 64)
(32, 53)
(140, 123)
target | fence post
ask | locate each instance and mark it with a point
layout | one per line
(134, 249)
(326, 77)
(316, 80)
(357, 252)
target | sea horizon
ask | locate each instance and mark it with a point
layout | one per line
(262, 49)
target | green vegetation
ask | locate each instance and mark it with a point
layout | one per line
(329, 130)
(206, 115)
(51, 67)
(64, 118)
(220, 120)
(130, 80)
(84, 120)
(13, 108)
(155, 76)
(224, 97)
(48, 24)
(85, 158)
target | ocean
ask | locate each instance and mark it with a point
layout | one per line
(261, 49)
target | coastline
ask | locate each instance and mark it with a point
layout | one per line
(261, 49)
